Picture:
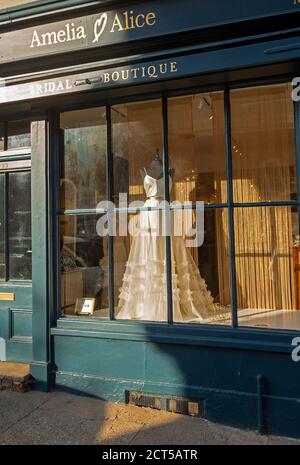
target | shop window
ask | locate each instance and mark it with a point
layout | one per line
(267, 267)
(169, 237)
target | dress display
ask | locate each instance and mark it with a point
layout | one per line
(143, 295)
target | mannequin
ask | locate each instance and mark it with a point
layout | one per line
(155, 169)
(143, 294)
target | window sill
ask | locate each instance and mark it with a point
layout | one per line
(179, 334)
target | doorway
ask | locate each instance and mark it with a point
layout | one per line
(15, 242)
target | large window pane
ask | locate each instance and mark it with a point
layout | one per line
(84, 265)
(201, 267)
(140, 268)
(83, 158)
(18, 134)
(2, 230)
(197, 148)
(267, 267)
(137, 144)
(263, 144)
(20, 253)
(139, 245)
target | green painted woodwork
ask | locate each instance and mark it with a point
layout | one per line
(21, 323)
(40, 299)
(226, 380)
(16, 321)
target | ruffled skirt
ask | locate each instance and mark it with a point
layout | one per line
(143, 295)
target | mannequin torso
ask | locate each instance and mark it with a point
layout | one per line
(155, 169)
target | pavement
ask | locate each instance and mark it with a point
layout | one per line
(64, 418)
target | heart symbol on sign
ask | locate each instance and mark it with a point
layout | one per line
(99, 27)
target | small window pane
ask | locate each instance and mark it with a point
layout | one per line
(267, 267)
(18, 134)
(84, 264)
(263, 144)
(2, 231)
(20, 254)
(197, 148)
(83, 159)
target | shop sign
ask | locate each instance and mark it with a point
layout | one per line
(132, 74)
(105, 23)
(157, 70)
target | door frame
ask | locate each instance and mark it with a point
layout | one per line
(15, 295)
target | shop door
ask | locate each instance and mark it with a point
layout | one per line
(15, 257)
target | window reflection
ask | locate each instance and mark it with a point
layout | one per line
(2, 231)
(2, 134)
(18, 134)
(20, 254)
(198, 158)
(197, 148)
(84, 264)
(140, 274)
(137, 141)
(83, 158)
(201, 269)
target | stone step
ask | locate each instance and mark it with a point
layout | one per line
(14, 377)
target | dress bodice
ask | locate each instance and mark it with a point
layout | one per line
(154, 188)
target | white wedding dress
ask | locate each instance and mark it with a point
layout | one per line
(143, 295)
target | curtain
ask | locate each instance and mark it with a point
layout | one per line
(221, 215)
(263, 171)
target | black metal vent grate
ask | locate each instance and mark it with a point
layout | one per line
(173, 404)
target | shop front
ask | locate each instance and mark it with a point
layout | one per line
(149, 203)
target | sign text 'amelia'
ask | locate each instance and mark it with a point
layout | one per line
(108, 23)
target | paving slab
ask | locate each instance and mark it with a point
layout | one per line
(15, 406)
(66, 418)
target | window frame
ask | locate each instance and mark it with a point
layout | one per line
(230, 205)
(8, 157)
